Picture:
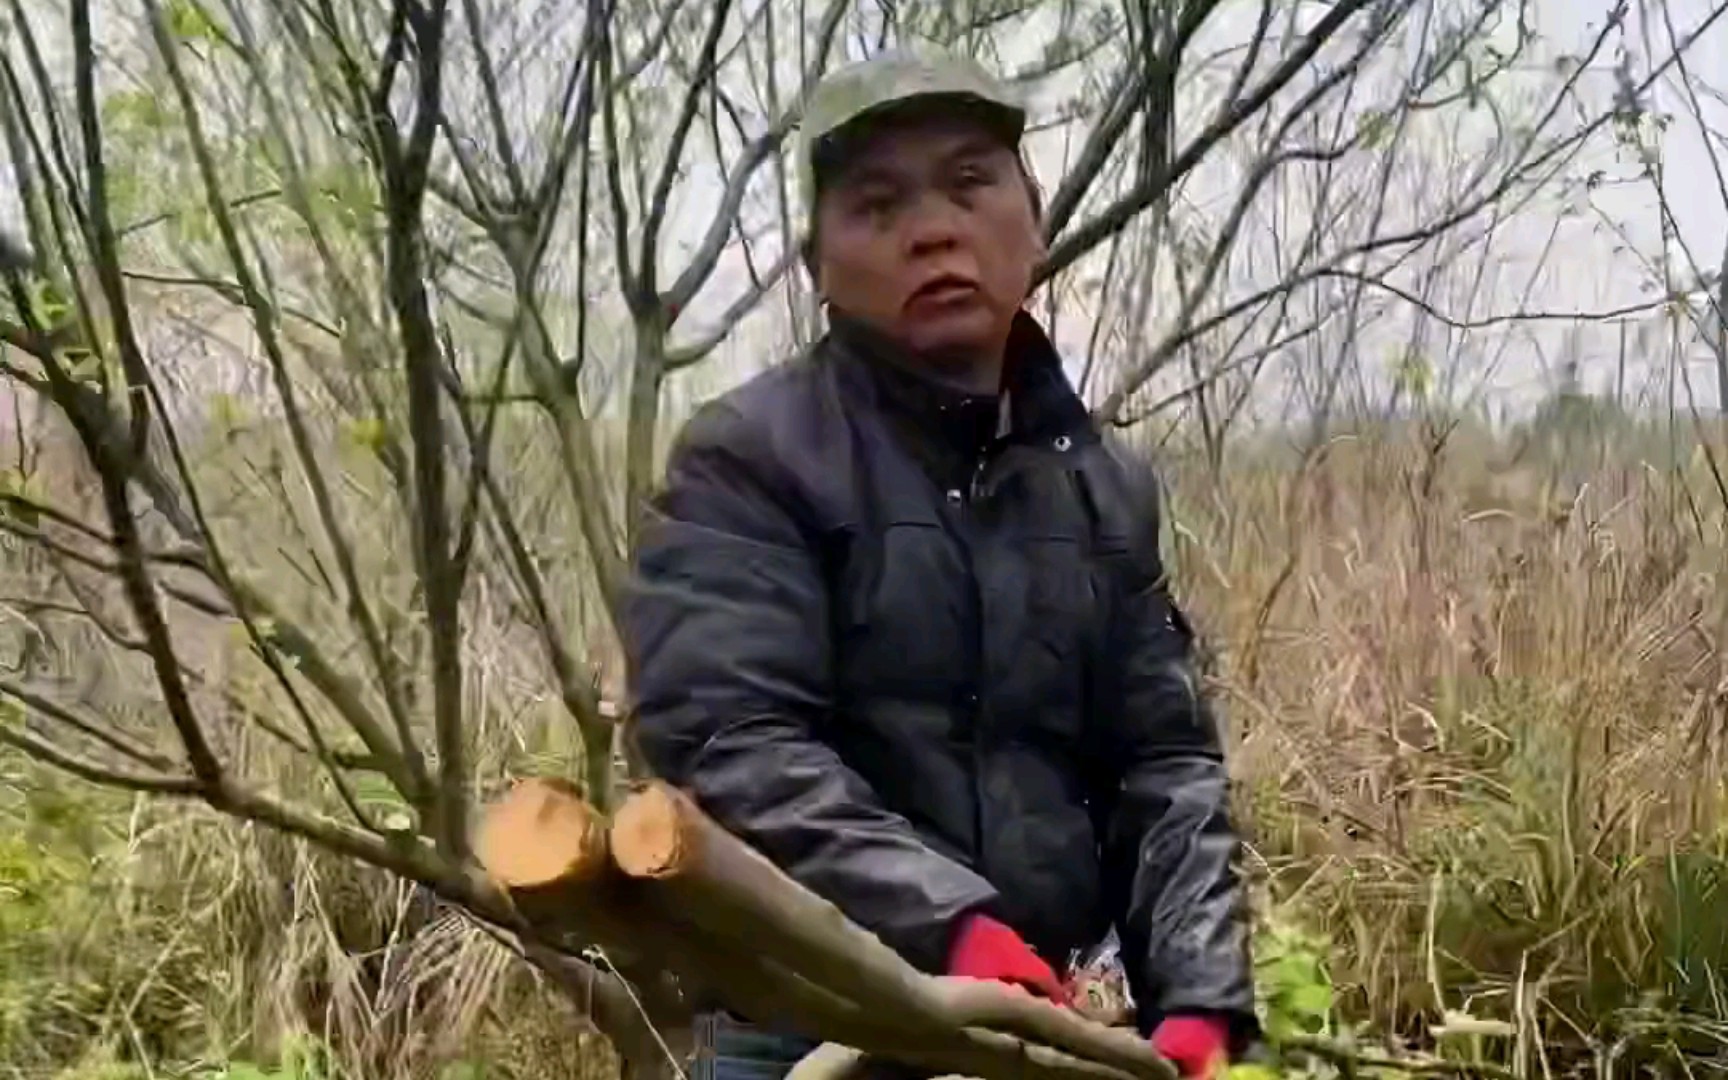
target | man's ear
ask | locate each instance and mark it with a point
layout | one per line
(807, 252)
(1035, 201)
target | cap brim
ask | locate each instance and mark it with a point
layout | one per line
(1005, 121)
(837, 146)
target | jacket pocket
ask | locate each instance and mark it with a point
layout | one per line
(1051, 658)
(903, 609)
(1060, 590)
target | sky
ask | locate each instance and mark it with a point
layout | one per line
(1593, 259)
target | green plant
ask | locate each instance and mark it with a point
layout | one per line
(1294, 989)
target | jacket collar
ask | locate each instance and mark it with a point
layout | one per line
(1037, 401)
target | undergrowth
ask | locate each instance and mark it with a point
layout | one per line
(1477, 722)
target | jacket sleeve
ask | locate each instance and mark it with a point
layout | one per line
(727, 628)
(1169, 843)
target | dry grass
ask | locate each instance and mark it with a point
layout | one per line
(166, 933)
(1478, 725)
(190, 941)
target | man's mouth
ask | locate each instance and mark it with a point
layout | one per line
(944, 290)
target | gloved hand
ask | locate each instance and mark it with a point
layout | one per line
(1194, 1044)
(986, 949)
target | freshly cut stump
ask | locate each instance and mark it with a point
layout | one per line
(541, 833)
(656, 834)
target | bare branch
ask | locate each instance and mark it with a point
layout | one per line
(84, 769)
(406, 178)
(628, 279)
(264, 320)
(90, 729)
(1094, 231)
(655, 215)
(683, 356)
(713, 243)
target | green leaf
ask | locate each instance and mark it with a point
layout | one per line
(139, 109)
(366, 432)
(304, 1058)
(125, 193)
(376, 793)
(83, 366)
(1373, 129)
(1413, 374)
(188, 21)
(347, 193)
(228, 412)
(49, 307)
(1312, 1001)
(193, 224)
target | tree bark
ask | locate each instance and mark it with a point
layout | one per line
(695, 873)
(666, 890)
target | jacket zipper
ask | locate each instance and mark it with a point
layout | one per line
(980, 666)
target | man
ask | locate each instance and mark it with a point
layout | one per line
(900, 620)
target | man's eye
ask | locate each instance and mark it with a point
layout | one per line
(971, 176)
(875, 203)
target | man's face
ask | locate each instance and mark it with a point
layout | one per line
(928, 235)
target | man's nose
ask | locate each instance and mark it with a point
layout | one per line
(934, 223)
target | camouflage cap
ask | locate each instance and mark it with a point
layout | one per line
(888, 81)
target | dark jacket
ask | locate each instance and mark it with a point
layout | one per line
(927, 668)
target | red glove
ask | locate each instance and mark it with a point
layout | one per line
(1194, 1044)
(985, 949)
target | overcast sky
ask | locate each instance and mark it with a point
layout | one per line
(1594, 259)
